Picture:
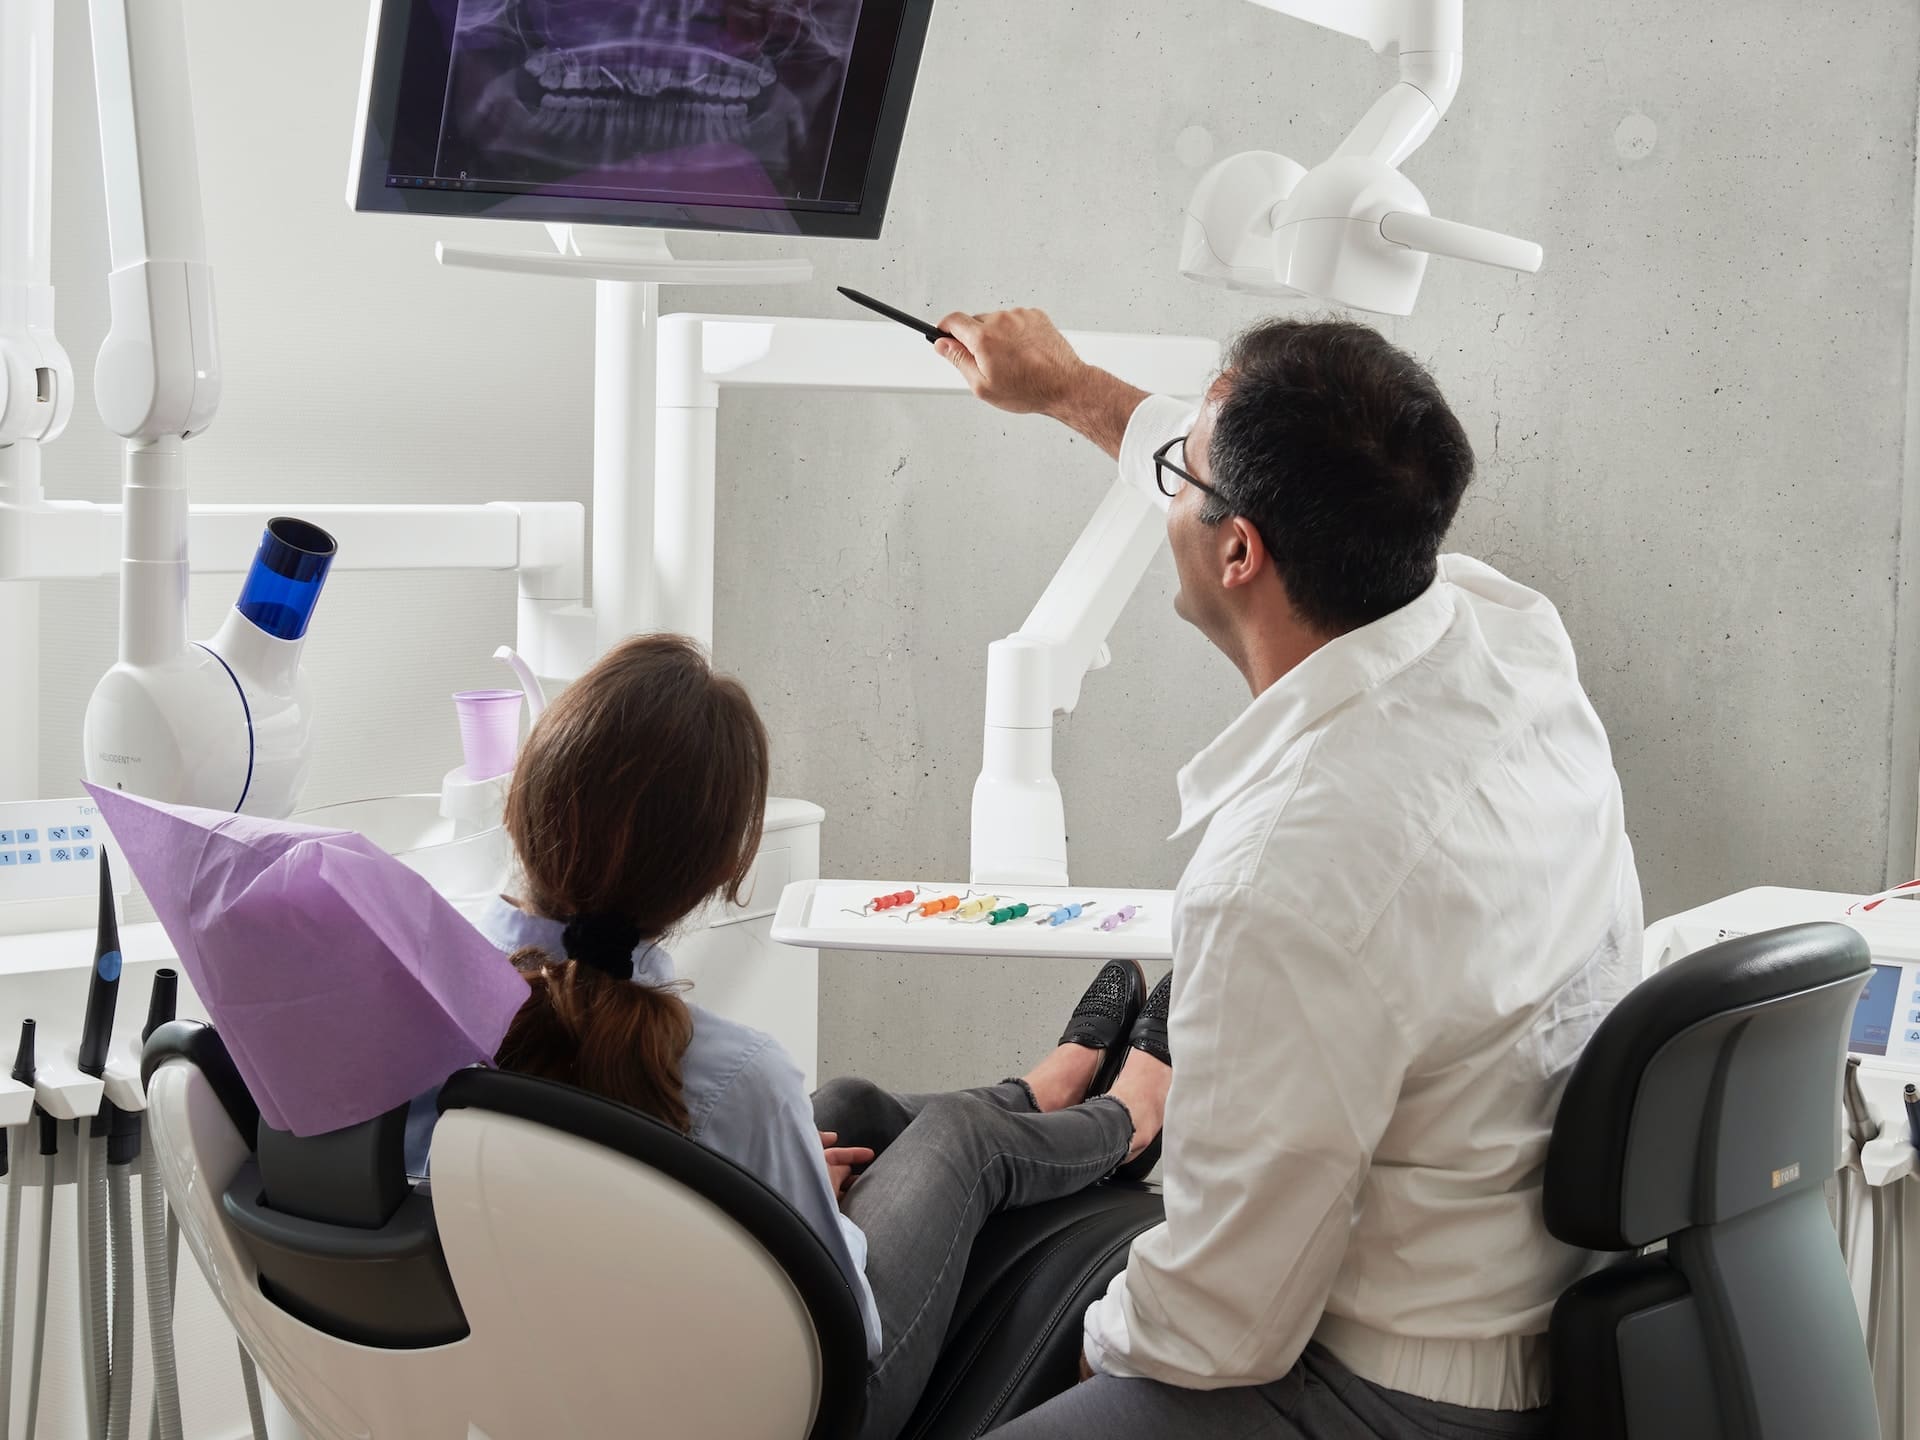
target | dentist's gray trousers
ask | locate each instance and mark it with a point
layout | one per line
(1319, 1399)
(947, 1163)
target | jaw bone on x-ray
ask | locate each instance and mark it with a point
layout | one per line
(689, 98)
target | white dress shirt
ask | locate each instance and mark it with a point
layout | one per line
(1414, 901)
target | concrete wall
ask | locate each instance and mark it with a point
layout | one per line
(1691, 426)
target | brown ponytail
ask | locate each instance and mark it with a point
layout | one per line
(640, 794)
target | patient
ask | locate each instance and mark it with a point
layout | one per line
(639, 797)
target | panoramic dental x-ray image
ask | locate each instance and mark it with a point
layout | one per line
(697, 98)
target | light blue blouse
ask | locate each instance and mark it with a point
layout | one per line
(745, 1096)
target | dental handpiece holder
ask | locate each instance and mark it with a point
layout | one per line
(225, 724)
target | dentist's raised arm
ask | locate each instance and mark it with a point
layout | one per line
(1018, 361)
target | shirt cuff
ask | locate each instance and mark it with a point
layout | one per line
(1155, 420)
(1104, 1333)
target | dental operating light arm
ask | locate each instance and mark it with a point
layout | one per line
(1352, 230)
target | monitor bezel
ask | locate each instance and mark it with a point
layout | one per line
(368, 192)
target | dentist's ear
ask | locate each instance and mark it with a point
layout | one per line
(1245, 554)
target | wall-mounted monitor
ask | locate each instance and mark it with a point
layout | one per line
(779, 116)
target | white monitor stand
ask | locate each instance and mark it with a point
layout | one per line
(727, 953)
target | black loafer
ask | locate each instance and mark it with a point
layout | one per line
(1149, 1034)
(1104, 1018)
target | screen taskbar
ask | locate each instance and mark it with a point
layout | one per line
(582, 192)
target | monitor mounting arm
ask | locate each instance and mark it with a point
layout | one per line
(1353, 229)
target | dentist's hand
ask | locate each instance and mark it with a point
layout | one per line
(843, 1160)
(1015, 360)
(1018, 361)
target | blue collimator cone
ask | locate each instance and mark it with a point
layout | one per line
(283, 584)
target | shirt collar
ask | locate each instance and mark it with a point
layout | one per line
(1344, 667)
(510, 928)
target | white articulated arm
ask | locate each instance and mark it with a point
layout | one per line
(158, 377)
(1019, 816)
(1352, 229)
(159, 373)
(1378, 22)
(1431, 37)
(36, 377)
(1077, 611)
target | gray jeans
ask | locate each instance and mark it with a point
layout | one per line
(946, 1163)
(1319, 1399)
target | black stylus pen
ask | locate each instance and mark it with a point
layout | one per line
(1913, 1115)
(899, 317)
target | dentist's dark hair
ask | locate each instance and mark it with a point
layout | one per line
(1341, 450)
(639, 796)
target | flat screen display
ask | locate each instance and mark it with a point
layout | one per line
(783, 116)
(1873, 1016)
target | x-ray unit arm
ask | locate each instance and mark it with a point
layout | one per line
(157, 382)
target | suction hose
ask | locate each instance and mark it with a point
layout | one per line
(155, 1238)
(49, 1155)
(90, 1213)
(10, 1298)
(160, 1245)
(24, 1069)
(120, 1356)
(249, 1377)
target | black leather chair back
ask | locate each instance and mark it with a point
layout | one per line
(1705, 1113)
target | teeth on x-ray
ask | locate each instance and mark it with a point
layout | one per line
(544, 88)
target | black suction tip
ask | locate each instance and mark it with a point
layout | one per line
(23, 1062)
(162, 1001)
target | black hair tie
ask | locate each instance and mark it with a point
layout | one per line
(604, 942)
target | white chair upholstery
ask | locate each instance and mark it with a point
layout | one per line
(601, 1296)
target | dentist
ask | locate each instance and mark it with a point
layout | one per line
(1413, 903)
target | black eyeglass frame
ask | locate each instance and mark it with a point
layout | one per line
(1161, 465)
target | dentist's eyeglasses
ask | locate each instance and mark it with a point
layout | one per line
(1163, 467)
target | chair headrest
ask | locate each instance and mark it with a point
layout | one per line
(200, 1045)
(1712, 1088)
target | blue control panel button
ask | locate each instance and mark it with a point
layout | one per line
(61, 854)
(6, 837)
(1913, 1017)
(1913, 1037)
(83, 832)
(7, 857)
(26, 837)
(56, 832)
(29, 857)
(83, 852)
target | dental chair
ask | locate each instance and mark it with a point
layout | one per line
(1704, 1118)
(576, 1269)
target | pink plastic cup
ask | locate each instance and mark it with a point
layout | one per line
(489, 730)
